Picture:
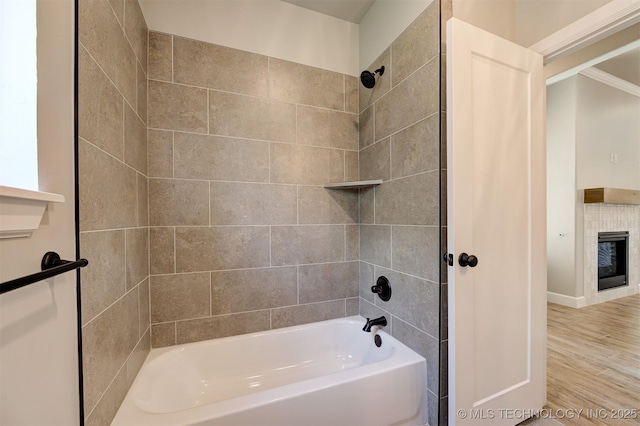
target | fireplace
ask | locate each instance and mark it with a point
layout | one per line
(613, 259)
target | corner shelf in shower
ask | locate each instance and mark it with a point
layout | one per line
(360, 184)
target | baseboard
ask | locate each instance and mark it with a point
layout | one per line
(563, 299)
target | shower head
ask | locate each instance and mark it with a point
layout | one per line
(368, 78)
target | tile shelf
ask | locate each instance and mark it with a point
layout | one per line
(353, 185)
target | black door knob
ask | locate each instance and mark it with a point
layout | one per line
(467, 260)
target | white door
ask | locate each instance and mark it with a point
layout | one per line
(497, 213)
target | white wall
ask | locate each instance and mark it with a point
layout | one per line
(524, 22)
(537, 19)
(383, 23)
(561, 186)
(268, 27)
(38, 341)
(608, 123)
(496, 16)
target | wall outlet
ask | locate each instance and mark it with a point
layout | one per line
(614, 157)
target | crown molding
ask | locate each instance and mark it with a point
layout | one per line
(611, 80)
(604, 21)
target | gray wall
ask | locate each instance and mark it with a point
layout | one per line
(243, 237)
(400, 219)
(112, 201)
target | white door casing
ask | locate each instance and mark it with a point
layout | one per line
(496, 183)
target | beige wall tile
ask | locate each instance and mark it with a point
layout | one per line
(139, 354)
(253, 204)
(317, 205)
(252, 118)
(351, 94)
(160, 153)
(416, 251)
(417, 44)
(375, 161)
(367, 127)
(366, 281)
(137, 250)
(328, 281)
(367, 205)
(302, 84)
(174, 202)
(99, 106)
(352, 241)
(144, 309)
(179, 297)
(222, 326)
(177, 107)
(415, 149)
(409, 201)
(305, 164)
(106, 185)
(103, 280)
(101, 34)
(163, 334)
(136, 30)
(219, 158)
(143, 200)
(412, 100)
(220, 248)
(423, 344)
(304, 314)
(135, 141)
(109, 403)
(332, 129)
(162, 251)
(253, 289)
(383, 84)
(160, 56)
(290, 245)
(414, 300)
(118, 9)
(141, 108)
(107, 342)
(352, 306)
(369, 310)
(351, 170)
(375, 244)
(217, 67)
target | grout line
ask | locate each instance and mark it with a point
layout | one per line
(172, 61)
(175, 258)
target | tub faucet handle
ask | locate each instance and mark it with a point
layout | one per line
(380, 322)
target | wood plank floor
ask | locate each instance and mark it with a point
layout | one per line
(593, 361)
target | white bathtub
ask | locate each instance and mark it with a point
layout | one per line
(324, 373)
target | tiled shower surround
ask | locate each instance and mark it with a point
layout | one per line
(400, 219)
(114, 231)
(243, 237)
(201, 202)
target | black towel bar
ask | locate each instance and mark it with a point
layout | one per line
(51, 266)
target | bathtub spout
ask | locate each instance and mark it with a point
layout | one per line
(381, 322)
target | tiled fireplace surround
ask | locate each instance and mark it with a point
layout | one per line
(609, 218)
(201, 205)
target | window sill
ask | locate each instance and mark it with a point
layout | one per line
(21, 210)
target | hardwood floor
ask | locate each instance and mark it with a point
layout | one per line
(593, 362)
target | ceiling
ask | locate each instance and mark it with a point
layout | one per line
(351, 10)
